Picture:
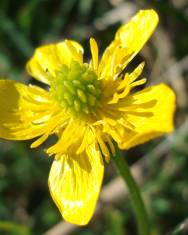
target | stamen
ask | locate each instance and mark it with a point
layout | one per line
(77, 54)
(39, 141)
(94, 52)
(111, 145)
(136, 73)
(139, 82)
(103, 147)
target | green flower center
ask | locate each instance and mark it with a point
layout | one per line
(76, 88)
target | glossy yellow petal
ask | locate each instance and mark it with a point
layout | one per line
(75, 183)
(24, 110)
(70, 137)
(135, 34)
(49, 58)
(151, 113)
(129, 40)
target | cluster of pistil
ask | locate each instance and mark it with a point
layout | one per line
(76, 88)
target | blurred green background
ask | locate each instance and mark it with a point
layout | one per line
(25, 204)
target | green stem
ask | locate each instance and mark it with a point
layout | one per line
(135, 195)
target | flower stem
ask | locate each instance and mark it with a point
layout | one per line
(135, 195)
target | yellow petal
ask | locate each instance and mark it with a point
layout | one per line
(70, 136)
(49, 58)
(135, 34)
(75, 183)
(129, 40)
(151, 115)
(22, 110)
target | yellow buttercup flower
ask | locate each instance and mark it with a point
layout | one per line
(87, 106)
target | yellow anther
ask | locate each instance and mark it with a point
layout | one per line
(94, 52)
(73, 50)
